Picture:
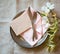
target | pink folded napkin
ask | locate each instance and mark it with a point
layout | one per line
(41, 27)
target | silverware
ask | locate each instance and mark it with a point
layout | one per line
(33, 19)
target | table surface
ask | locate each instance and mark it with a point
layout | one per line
(8, 46)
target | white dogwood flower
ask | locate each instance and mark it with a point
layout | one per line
(49, 5)
(45, 9)
(45, 18)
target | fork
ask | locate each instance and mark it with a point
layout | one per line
(33, 19)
